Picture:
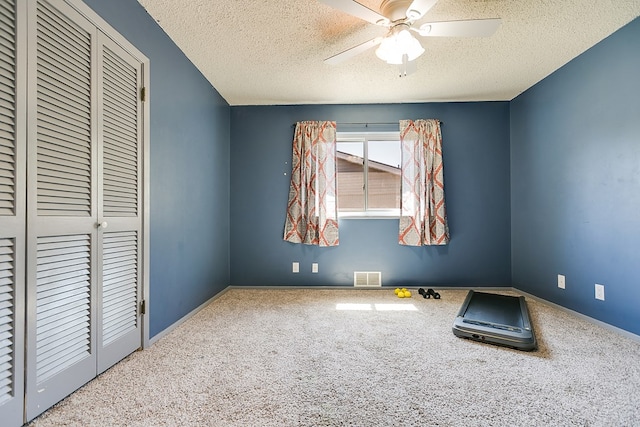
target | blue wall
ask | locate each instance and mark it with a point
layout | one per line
(190, 139)
(476, 160)
(575, 174)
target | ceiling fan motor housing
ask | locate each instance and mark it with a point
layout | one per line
(395, 10)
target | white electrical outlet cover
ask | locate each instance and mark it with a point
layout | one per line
(314, 267)
(600, 292)
(561, 281)
(296, 267)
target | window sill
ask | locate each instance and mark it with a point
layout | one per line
(369, 215)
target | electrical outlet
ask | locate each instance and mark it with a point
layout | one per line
(314, 267)
(600, 292)
(296, 267)
(561, 281)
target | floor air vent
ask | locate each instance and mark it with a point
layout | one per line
(367, 279)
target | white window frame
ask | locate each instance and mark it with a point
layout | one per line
(365, 138)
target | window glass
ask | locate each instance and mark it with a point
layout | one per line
(369, 174)
(384, 175)
(350, 169)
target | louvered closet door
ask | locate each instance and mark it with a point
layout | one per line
(119, 206)
(62, 205)
(12, 218)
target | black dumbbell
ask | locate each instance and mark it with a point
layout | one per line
(428, 293)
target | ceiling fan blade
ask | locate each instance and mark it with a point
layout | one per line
(350, 53)
(359, 11)
(418, 8)
(470, 28)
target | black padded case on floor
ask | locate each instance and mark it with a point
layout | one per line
(496, 319)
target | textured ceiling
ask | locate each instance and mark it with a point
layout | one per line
(267, 52)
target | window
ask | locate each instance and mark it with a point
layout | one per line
(369, 174)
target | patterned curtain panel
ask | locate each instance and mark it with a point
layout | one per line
(423, 217)
(312, 211)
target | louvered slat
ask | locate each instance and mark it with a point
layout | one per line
(7, 109)
(63, 303)
(120, 130)
(7, 317)
(63, 115)
(119, 284)
(7, 196)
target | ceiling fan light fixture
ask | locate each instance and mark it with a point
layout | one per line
(399, 43)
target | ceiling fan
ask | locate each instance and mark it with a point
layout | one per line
(399, 46)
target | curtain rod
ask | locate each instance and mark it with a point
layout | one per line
(366, 124)
(374, 123)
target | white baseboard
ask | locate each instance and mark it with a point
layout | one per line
(605, 325)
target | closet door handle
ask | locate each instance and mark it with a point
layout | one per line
(103, 224)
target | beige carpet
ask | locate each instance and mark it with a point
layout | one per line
(289, 358)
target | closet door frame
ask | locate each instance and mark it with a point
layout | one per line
(120, 40)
